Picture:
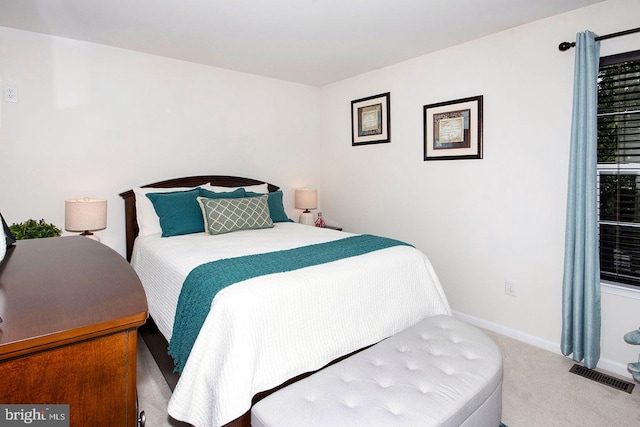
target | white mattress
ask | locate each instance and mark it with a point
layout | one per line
(263, 331)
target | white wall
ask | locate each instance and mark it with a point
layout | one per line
(481, 221)
(95, 121)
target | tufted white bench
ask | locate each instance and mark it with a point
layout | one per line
(439, 372)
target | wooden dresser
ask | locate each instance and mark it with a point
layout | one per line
(70, 309)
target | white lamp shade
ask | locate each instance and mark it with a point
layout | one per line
(85, 214)
(306, 198)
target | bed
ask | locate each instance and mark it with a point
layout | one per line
(265, 330)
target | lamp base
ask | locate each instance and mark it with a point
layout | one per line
(90, 235)
(306, 218)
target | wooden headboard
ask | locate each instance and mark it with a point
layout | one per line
(131, 221)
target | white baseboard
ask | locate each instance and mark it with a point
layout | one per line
(616, 368)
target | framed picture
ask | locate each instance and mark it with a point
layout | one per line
(371, 120)
(453, 129)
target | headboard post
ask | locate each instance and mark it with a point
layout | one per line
(131, 222)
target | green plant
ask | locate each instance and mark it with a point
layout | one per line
(32, 229)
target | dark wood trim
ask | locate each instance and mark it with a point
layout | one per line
(158, 347)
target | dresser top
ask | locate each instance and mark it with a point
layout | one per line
(60, 290)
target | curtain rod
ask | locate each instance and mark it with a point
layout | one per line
(568, 45)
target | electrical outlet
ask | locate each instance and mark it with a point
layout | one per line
(10, 93)
(510, 288)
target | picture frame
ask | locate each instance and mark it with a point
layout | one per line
(453, 129)
(371, 120)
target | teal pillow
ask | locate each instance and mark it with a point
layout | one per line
(235, 194)
(227, 215)
(276, 208)
(179, 211)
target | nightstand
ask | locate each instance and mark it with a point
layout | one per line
(70, 307)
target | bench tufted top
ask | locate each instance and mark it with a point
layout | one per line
(436, 373)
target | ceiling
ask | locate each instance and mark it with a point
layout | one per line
(314, 42)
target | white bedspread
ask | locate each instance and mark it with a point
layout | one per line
(265, 330)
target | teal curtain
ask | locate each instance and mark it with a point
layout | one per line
(581, 284)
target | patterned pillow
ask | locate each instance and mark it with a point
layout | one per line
(276, 208)
(227, 215)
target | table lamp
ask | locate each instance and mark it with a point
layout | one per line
(306, 198)
(85, 215)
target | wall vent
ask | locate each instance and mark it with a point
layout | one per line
(601, 378)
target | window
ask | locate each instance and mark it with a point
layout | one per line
(619, 168)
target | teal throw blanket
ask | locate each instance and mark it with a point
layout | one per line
(205, 281)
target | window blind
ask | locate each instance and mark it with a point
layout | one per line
(619, 168)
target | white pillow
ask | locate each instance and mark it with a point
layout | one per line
(148, 220)
(3, 243)
(259, 188)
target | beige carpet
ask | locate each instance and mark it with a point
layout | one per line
(538, 390)
(153, 391)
